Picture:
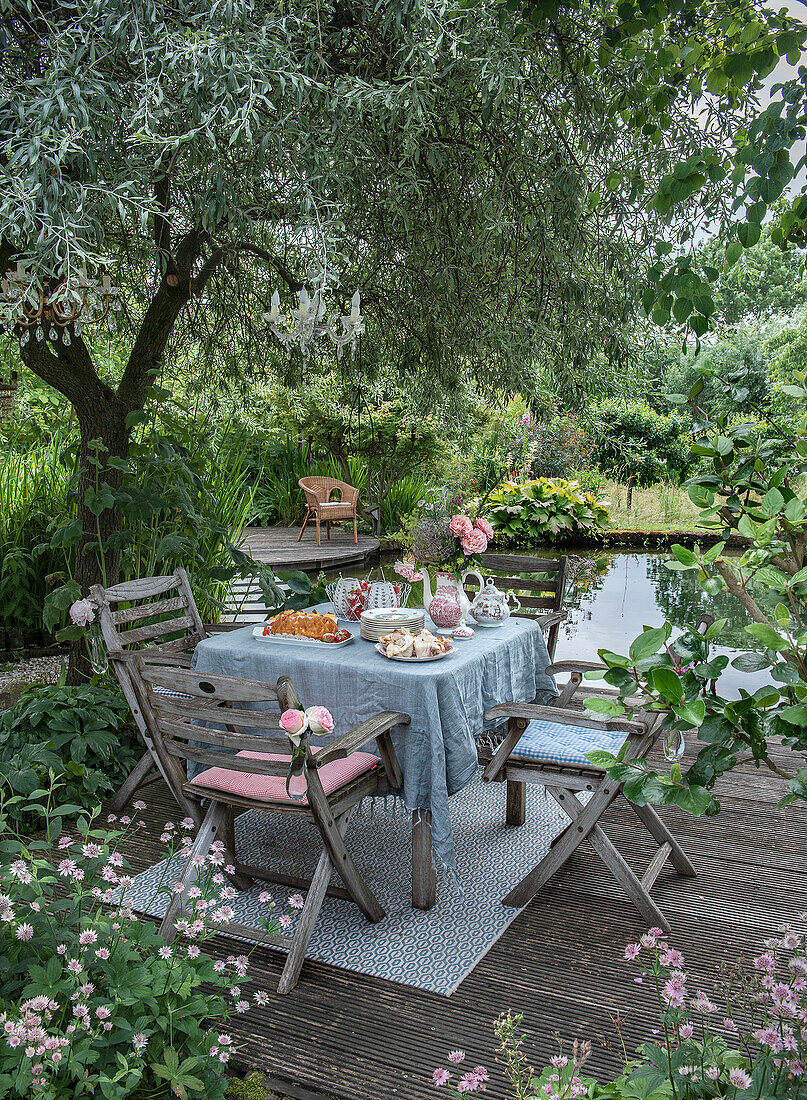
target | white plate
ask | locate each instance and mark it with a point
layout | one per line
(392, 614)
(292, 639)
(417, 660)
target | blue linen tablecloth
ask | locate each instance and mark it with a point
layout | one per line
(446, 699)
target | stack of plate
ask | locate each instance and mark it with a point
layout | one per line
(384, 620)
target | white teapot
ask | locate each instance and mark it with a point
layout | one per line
(492, 606)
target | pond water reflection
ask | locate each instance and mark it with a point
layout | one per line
(613, 595)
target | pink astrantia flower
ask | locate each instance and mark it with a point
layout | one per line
(441, 1077)
(296, 901)
(739, 1078)
(469, 1082)
(25, 932)
(765, 962)
(293, 721)
(474, 542)
(485, 527)
(320, 720)
(456, 1056)
(632, 951)
(460, 526)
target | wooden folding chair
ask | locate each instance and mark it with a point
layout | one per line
(547, 746)
(160, 618)
(540, 590)
(191, 726)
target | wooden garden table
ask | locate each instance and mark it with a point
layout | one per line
(447, 700)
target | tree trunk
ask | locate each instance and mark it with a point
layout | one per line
(104, 435)
(630, 496)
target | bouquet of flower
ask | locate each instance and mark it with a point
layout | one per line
(442, 533)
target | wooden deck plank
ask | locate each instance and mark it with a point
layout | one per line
(350, 1036)
(278, 547)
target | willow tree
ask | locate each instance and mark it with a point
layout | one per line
(202, 153)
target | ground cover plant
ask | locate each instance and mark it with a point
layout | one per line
(82, 736)
(748, 1042)
(92, 1000)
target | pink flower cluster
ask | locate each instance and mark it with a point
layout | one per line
(771, 1010)
(472, 1081)
(474, 535)
(35, 1033)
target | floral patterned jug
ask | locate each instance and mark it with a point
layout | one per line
(449, 605)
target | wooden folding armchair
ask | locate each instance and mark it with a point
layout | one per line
(540, 591)
(547, 746)
(190, 726)
(319, 505)
(160, 618)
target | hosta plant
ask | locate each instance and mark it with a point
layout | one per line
(530, 512)
(92, 1001)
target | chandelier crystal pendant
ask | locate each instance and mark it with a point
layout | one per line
(308, 323)
(37, 309)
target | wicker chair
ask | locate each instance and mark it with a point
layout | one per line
(318, 491)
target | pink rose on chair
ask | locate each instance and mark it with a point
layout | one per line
(474, 542)
(460, 525)
(82, 612)
(294, 722)
(319, 719)
(483, 526)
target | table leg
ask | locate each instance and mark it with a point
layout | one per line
(424, 880)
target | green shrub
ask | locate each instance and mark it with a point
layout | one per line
(637, 445)
(83, 735)
(537, 511)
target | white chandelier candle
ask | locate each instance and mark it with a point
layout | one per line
(308, 323)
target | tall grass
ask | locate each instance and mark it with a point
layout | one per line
(35, 490)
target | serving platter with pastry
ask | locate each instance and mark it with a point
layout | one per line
(403, 645)
(311, 628)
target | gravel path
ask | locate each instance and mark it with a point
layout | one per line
(13, 677)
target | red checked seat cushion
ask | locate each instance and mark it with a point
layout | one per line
(272, 788)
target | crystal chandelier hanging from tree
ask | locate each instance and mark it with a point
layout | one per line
(30, 306)
(309, 323)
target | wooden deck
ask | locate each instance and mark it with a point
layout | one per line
(344, 1035)
(278, 546)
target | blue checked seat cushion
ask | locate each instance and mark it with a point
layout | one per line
(554, 743)
(169, 693)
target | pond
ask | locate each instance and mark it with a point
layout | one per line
(612, 595)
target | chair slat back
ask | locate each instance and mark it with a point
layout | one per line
(539, 583)
(208, 717)
(171, 625)
(318, 490)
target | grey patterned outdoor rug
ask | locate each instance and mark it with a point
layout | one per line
(432, 950)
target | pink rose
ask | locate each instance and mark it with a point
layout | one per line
(293, 722)
(483, 526)
(319, 719)
(460, 525)
(474, 542)
(83, 612)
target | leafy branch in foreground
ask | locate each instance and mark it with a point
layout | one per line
(752, 485)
